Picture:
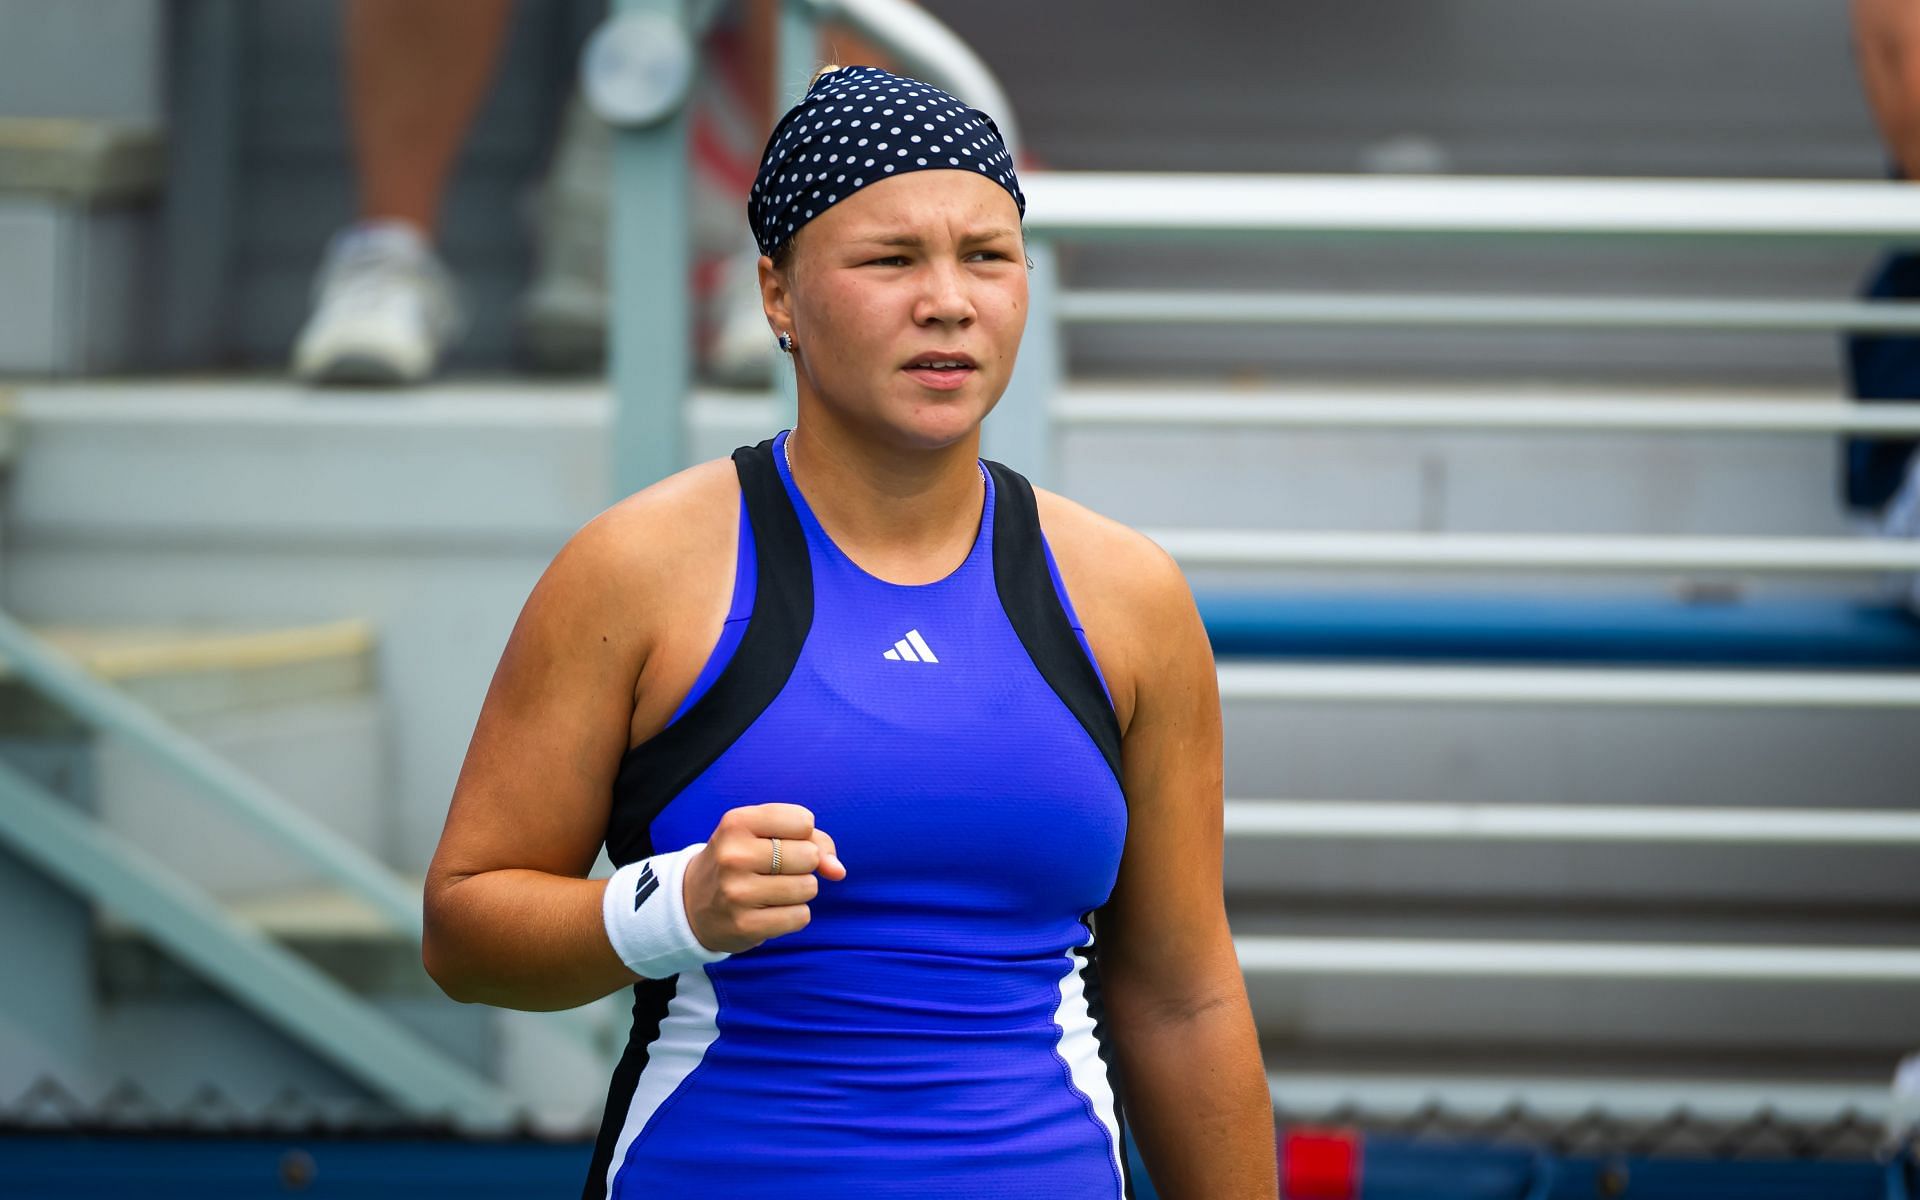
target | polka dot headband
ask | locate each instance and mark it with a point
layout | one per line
(857, 126)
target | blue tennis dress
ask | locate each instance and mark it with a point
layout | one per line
(936, 1031)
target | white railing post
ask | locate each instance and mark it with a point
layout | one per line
(797, 54)
(637, 70)
(1019, 431)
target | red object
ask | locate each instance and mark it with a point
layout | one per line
(1320, 1164)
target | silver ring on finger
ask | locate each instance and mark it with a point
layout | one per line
(776, 856)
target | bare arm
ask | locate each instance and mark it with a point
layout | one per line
(1184, 1033)
(511, 918)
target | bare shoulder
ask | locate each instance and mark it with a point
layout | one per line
(636, 573)
(1114, 559)
(642, 549)
(1129, 593)
(643, 532)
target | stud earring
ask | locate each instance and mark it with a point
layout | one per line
(786, 341)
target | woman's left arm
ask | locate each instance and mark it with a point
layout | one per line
(1189, 1056)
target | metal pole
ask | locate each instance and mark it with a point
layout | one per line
(1019, 431)
(636, 69)
(928, 50)
(798, 50)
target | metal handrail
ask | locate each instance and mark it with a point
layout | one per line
(241, 796)
(1160, 205)
(1104, 407)
(391, 899)
(928, 50)
(1119, 307)
(277, 985)
(1602, 686)
(1456, 957)
(1585, 552)
(1478, 822)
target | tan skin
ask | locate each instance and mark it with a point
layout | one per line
(617, 629)
(1886, 37)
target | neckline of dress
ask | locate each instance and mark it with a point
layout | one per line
(982, 537)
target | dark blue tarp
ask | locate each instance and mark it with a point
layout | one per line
(1621, 630)
(77, 1167)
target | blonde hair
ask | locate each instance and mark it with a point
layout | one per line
(829, 69)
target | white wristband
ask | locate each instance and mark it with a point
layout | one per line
(645, 910)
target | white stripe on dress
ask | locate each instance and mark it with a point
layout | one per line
(685, 1033)
(1080, 1050)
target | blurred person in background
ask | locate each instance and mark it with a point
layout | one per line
(1882, 475)
(1029, 922)
(385, 306)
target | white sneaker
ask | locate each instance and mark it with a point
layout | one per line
(384, 308)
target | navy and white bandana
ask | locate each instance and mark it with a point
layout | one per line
(857, 126)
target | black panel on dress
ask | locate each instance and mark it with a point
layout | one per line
(660, 768)
(650, 1000)
(1026, 592)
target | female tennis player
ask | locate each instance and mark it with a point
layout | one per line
(918, 860)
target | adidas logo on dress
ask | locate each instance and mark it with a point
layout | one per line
(911, 648)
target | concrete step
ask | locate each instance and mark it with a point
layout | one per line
(250, 500)
(1427, 1093)
(77, 231)
(1677, 1035)
(555, 1064)
(187, 672)
(294, 706)
(329, 926)
(1513, 1010)
(299, 458)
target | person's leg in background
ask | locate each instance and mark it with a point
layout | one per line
(563, 313)
(416, 72)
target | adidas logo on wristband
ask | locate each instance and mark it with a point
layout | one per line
(654, 940)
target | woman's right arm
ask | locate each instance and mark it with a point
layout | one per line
(511, 918)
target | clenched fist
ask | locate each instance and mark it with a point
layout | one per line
(734, 900)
